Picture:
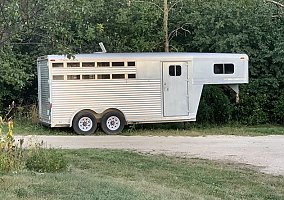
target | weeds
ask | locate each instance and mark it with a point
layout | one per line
(13, 157)
(29, 112)
(46, 160)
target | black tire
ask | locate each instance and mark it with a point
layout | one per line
(112, 122)
(85, 123)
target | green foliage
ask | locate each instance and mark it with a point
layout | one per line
(29, 29)
(46, 160)
(11, 154)
(215, 106)
(14, 76)
(14, 158)
(10, 21)
(245, 27)
(11, 160)
(278, 110)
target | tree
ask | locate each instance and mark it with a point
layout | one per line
(31, 28)
(165, 26)
(10, 24)
(165, 9)
(276, 3)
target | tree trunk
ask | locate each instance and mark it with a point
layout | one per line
(166, 21)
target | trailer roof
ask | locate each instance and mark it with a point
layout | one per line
(148, 56)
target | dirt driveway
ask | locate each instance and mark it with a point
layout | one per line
(265, 152)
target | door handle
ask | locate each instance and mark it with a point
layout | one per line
(166, 88)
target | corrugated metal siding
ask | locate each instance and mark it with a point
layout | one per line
(139, 100)
(90, 70)
(44, 92)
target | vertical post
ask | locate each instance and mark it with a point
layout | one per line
(166, 21)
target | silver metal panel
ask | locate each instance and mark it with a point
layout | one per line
(175, 89)
(149, 70)
(160, 56)
(195, 94)
(43, 89)
(139, 100)
(203, 71)
(88, 70)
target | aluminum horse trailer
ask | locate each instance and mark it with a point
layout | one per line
(116, 89)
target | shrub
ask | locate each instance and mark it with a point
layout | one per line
(27, 112)
(279, 110)
(11, 155)
(46, 160)
(215, 107)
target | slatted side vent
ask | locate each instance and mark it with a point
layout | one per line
(44, 91)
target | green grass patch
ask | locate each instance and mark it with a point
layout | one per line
(106, 174)
(28, 128)
(180, 130)
(168, 129)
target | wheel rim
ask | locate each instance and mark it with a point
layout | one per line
(113, 123)
(85, 124)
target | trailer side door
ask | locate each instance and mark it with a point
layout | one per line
(175, 89)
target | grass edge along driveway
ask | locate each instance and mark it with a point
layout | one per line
(266, 152)
(113, 174)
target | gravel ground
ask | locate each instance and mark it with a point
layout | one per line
(264, 152)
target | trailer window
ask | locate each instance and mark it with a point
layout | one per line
(224, 68)
(118, 64)
(88, 64)
(103, 64)
(178, 70)
(175, 70)
(91, 76)
(218, 69)
(73, 77)
(130, 64)
(118, 76)
(229, 68)
(172, 70)
(57, 64)
(58, 77)
(73, 64)
(131, 76)
(103, 76)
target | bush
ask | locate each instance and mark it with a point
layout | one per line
(215, 107)
(46, 160)
(11, 155)
(279, 110)
(262, 101)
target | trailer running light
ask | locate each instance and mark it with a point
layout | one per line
(52, 60)
(242, 58)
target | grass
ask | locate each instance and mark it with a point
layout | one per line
(28, 128)
(106, 174)
(169, 129)
(240, 130)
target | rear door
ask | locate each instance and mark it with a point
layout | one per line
(43, 91)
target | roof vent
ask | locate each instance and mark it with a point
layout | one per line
(102, 47)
